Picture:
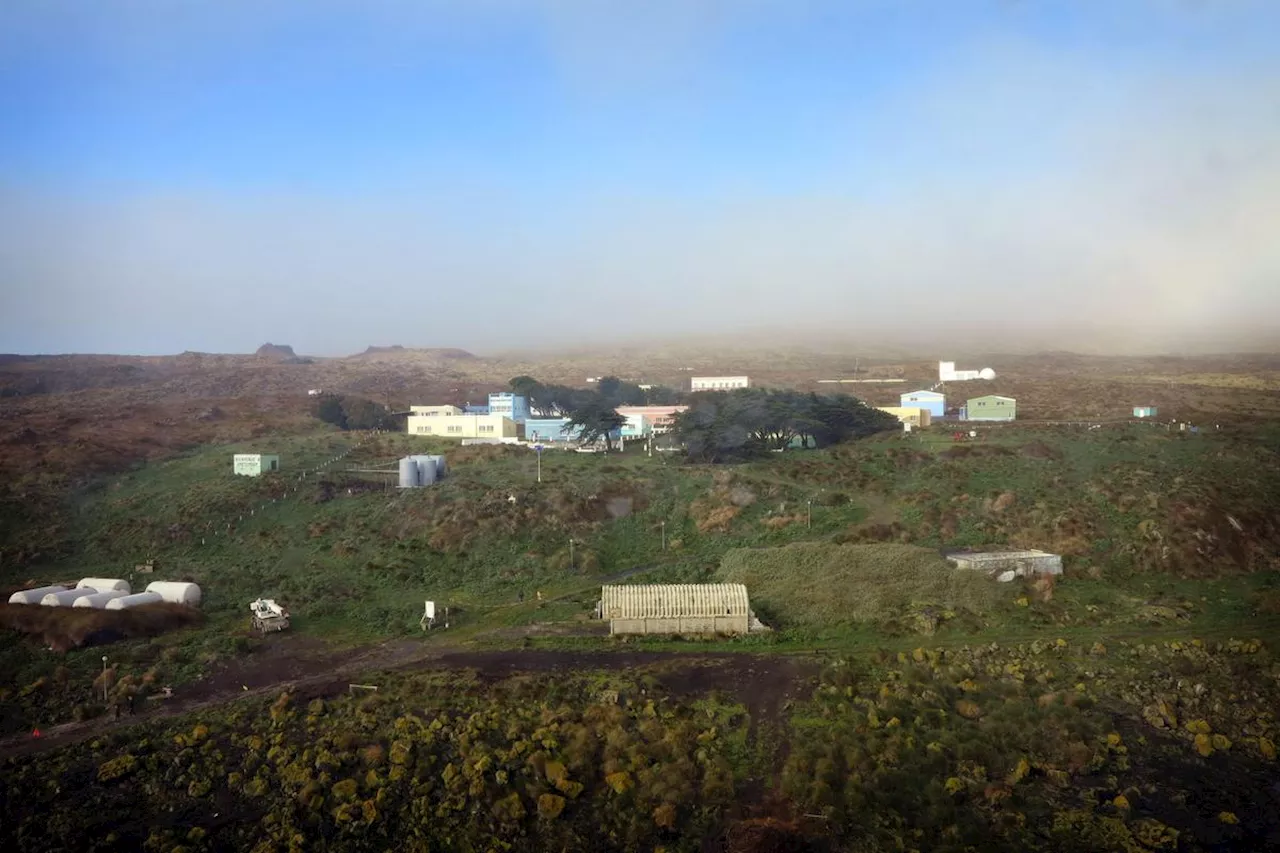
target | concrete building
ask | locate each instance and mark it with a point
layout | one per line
(254, 464)
(436, 411)
(661, 418)
(991, 408)
(687, 608)
(947, 373)
(549, 430)
(909, 415)
(637, 426)
(718, 383)
(509, 405)
(461, 426)
(1145, 411)
(932, 401)
(1007, 565)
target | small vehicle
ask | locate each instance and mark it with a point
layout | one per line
(268, 616)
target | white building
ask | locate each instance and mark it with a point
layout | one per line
(254, 464)
(947, 373)
(718, 383)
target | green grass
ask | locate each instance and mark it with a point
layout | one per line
(820, 584)
(355, 568)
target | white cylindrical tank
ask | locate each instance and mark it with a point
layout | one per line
(440, 467)
(34, 596)
(65, 598)
(408, 473)
(176, 592)
(124, 602)
(99, 599)
(426, 470)
(105, 584)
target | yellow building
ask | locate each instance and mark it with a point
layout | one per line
(460, 425)
(436, 411)
(916, 417)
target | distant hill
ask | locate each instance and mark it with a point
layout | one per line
(279, 352)
(428, 352)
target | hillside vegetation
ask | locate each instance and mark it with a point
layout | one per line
(815, 583)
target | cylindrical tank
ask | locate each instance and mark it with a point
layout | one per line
(124, 602)
(65, 598)
(440, 467)
(426, 469)
(99, 599)
(408, 473)
(34, 596)
(176, 592)
(104, 584)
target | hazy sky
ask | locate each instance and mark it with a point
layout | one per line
(499, 173)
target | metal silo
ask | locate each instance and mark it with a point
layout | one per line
(426, 470)
(440, 467)
(409, 473)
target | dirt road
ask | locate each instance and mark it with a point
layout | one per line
(762, 683)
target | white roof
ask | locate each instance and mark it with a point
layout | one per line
(669, 600)
(924, 394)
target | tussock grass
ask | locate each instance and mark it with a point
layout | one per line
(817, 583)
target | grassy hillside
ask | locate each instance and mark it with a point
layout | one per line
(887, 585)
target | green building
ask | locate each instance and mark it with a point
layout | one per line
(991, 408)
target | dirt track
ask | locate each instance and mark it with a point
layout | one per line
(762, 683)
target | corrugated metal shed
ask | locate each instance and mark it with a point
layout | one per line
(701, 608)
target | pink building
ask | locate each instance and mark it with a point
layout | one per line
(661, 417)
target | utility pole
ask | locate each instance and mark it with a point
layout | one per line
(809, 513)
(664, 535)
(104, 678)
(571, 554)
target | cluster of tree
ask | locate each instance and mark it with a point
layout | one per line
(554, 399)
(725, 426)
(593, 411)
(352, 412)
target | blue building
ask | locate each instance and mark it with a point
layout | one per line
(475, 410)
(1145, 411)
(932, 401)
(509, 405)
(549, 430)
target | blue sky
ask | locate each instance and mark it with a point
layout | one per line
(197, 175)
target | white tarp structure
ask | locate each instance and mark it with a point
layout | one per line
(690, 608)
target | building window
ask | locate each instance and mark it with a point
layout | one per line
(486, 428)
(455, 429)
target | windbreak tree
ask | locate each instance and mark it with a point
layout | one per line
(597, 419)
(352, 413)
(730, 426)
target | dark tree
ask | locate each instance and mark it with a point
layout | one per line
(329, 410)
(597, 419)
(735, 425)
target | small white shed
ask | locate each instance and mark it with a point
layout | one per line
(255, 464)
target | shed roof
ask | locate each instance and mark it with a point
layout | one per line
(933, 395)
(993, 397)
(668, 600)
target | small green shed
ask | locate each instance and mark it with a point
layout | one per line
(992, 407)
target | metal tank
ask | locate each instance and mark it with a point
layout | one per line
(105, 584)
(124, 602)
(34, 596)
(65, 599)
(176, 592)
(409, 478)
(426, 469)
(99, 600)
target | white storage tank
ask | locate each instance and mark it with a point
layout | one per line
(99, 599)
(124, 602)
(426, 469)
(105, 584)
(176, 592)
(408, 473)
(34, 596)
(65, 598)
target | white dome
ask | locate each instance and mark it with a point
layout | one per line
(987, 373)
